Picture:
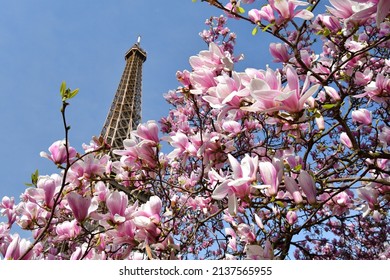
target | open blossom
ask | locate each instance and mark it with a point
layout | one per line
(286, 9)
(379, 89)
(270, 96)
(360, 10)
(213, 59)
(293, 98)
(58, 152)
(243, 175)
(89, 167)
(228, 92)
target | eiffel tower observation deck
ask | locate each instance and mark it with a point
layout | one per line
(125, 111)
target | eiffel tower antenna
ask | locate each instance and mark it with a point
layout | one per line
(125, 111)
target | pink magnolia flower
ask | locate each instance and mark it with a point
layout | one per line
(285, 9)
(227, 92)
(362, 116)
(363, 78)
(17, 248)
(151, 209)
(254, 15)
(360, 10)
(182, 145)
(232, 127)
(58, 152)
(117, 203)
(279, 52)
(293, 97)
(31, 214)
(213, 59)
(148, 132)
(320, 122)
(232, 237)
(246, 233)
(147, 219)
(293, 188)
(306, 182)
(68, 230)
(344, 139)
(370, 195)
(201, 80)
(243, 174)
(269, 176)
(379, 88)
(256, 252)
(80, 205)
(259, 222)
(341, 202)
(332, 93)
(291, 217)
(271, 97)
(239, 183)
(49, 184)
(267, 13)
(88, 167)
(7, 208)
(330, 22)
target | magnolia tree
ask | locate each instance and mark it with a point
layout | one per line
(291, 162)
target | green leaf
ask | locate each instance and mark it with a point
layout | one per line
(298, 168)
(73, 93)
(67, 93)
(34, 179)
(329, 106)
(279, 203)
(63, 89)
(268, 26)
(254, 31)
(326, 32)
(240, 10)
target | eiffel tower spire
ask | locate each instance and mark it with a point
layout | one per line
(125, 111)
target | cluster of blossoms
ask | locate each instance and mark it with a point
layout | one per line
(265, 163)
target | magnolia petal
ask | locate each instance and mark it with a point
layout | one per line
(221, 191)
(304, 14)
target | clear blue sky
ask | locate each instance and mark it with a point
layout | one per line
(44, 42)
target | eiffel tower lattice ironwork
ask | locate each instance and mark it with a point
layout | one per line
(125, 111)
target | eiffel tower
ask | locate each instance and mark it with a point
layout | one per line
(125, 111)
